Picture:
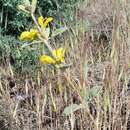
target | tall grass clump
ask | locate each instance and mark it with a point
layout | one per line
(68, 77)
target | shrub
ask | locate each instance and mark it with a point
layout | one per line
(11, 20)
(21, 60)
(14, 22)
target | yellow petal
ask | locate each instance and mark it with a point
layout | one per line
(40, 21)
(25, 35)
(43, 22)
(48, 20)
(59, 54)
(33, 33)
(28, 35)
(44, 59)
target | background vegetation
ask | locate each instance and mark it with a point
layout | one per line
(12, 22)
(91, 93)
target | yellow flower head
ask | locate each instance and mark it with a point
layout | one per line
(33, 32)
(59, 57)
(59, 54)
(44, 59)
(43, 22)
(28, 35)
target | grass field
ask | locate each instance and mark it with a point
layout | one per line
(91, 91)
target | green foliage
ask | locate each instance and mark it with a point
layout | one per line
(58, 31)
(87, 98)
(22, 61)
(61, 9)
(14, 21)
(88, 94)
(25, 61)
(72, 108)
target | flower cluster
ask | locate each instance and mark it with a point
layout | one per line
(57, 55)
(33, 33)
(43, 22)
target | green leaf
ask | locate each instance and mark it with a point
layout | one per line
(93, 92)
(29, 44)
(72, 108)
(34, 4)
(58, 31)
(89, 94)
(23, 8)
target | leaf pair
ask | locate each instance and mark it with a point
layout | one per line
(89, 95)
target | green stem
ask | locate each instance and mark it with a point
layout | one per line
(42, 39)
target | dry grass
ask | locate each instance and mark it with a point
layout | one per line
(100, 56)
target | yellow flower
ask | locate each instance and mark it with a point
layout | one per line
(44, 59)
(33, 32)
(28, 35)
(58, 54)
(43, 22)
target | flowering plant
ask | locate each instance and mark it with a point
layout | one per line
(41, 32)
